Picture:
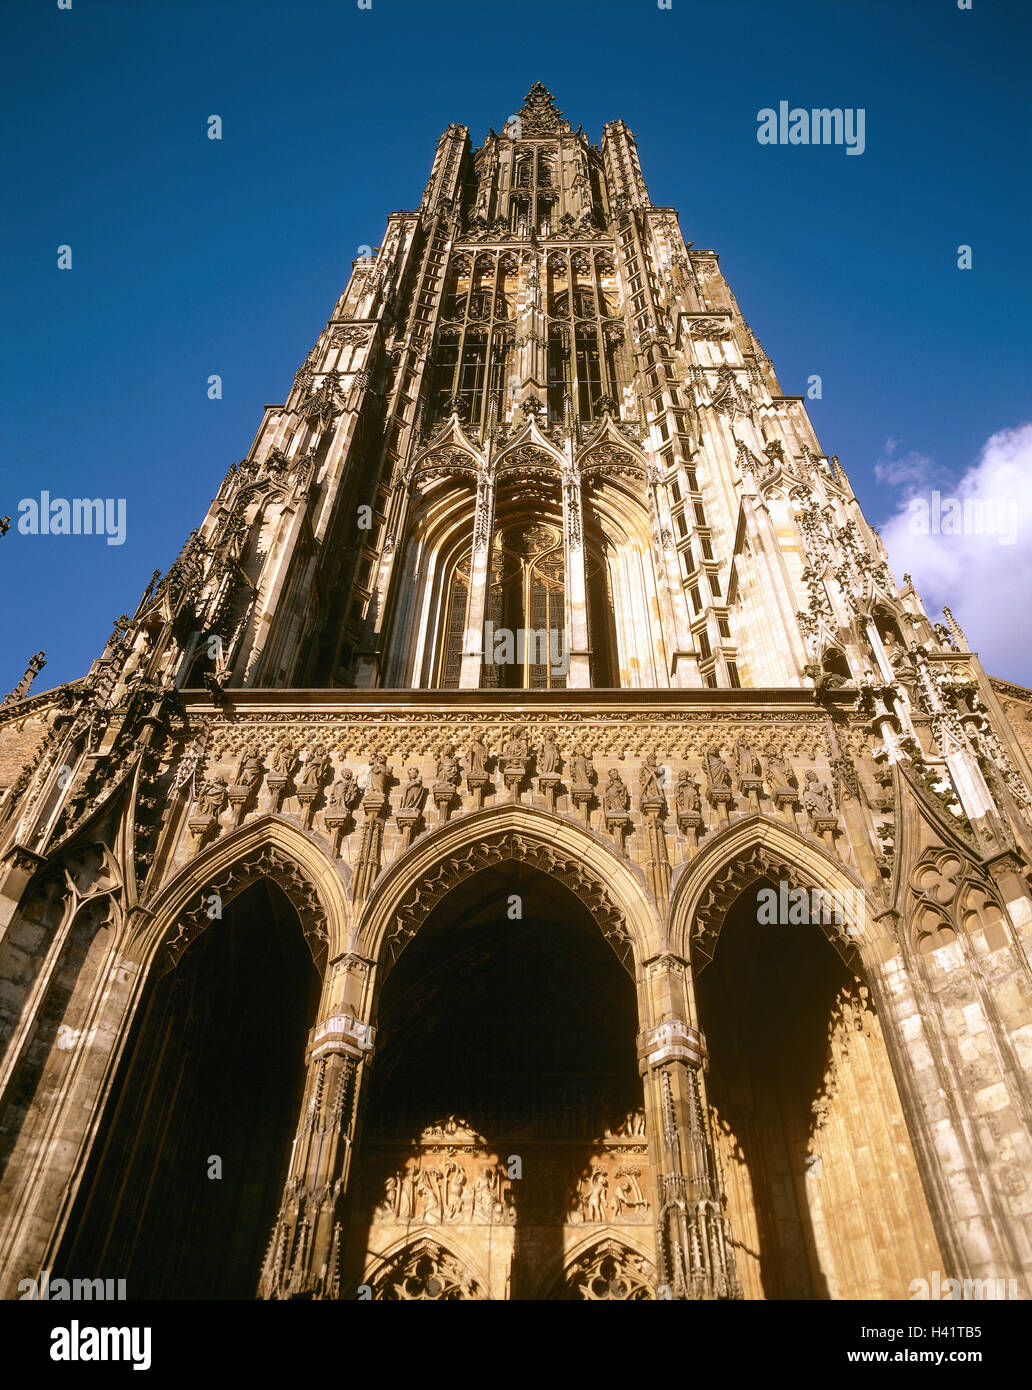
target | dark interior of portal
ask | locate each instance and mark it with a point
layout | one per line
(822, 1184)
(764, 1004)
(523, 1028)
(214, 1068)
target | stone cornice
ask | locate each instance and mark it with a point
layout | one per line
(1016, 692)
(692, 704)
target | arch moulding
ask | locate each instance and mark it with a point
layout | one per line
(749, 848)
(268, 847)
(611, 889)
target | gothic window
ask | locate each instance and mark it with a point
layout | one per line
(480, 297)
(558, 372)
(610, 1272)
(454, 626)
(527, 609)
(584, 303)
(501, 346)
(505, 298)
(458, 289)
(609, 298)
(836, 667)
(579, 354)
(524, 172)
(472, 375)
(589, 370)
(447, 359)
(470, 354)
(558, 288)
(425, 1271)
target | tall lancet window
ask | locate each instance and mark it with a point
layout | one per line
(605, 670)
(525, 645)
(454, 625)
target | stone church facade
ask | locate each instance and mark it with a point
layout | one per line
(527, 845)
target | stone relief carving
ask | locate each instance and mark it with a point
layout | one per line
(428, 1272)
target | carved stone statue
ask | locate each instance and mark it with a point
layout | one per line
(718, 772)
(283, 758)
(485, 1194)
(318, 767)
(748, 763)
(627, 1193)
(616, 796)
(596, 1201)
(649, 785)
(582, 767)
(212, 797)
(478, 756)
(344, 792)
(448, 767)
(379, 775)
(780, 772)
(517, 750)
(249, 774)
(687, 794)
(817, 798)
(548, 762)
(387, 1210)
(454, 1186)
(412, 795)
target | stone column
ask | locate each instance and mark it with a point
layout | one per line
(657, 861)
(479, 584)
(576, 581)
(303, 1258)
(695, 1256)
(375, 805)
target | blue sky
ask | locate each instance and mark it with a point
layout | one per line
(193, 257)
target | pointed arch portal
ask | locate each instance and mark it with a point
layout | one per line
(504, 1114)
(185, 1174)
(823, 1189)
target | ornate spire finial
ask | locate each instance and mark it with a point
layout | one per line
(36, 664)
(538, 115)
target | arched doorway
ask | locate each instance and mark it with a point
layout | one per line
(185, 1176)
(824, 1195)
(503, 1120)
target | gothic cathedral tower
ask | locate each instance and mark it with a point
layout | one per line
(527, 845)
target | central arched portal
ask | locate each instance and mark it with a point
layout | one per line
(503, 1144)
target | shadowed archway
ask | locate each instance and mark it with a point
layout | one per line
(823, 1189)
(505, 1056)
(185, 1175)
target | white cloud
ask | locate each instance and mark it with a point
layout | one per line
(908, 470)
(969, 546)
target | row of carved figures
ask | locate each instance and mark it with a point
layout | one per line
(285, 768)
(446, 1192)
